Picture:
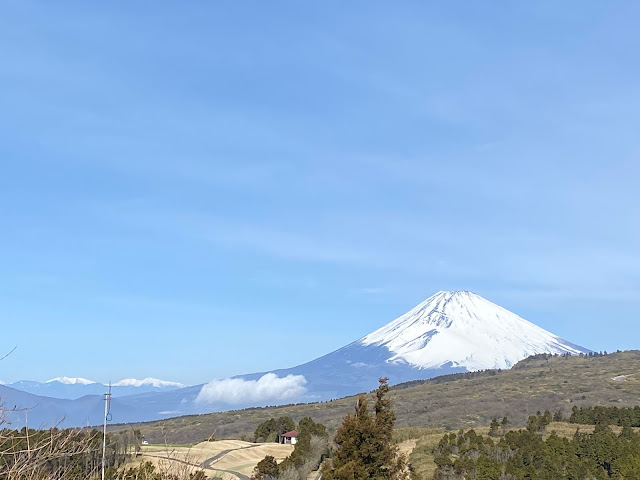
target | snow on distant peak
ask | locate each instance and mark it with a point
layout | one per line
(461, 328)
(154, 382)
(71, 381)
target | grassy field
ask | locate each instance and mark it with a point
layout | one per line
(226, 458)
(557, 383)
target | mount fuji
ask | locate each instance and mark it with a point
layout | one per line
(462, 329)
(450, 332)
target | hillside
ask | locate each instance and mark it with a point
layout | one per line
(555, 383)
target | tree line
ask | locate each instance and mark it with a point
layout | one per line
(625, 416)
(526, 455)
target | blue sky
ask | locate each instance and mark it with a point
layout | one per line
(196, 191)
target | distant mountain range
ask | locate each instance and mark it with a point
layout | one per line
(447, 333)
(73, 388)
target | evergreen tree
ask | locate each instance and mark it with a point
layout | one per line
(267, 467)
(504, 423)
(270, 430)
(494, 428)
(365, 449)
(307, 429)
(284, 425)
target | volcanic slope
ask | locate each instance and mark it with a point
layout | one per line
(450, 332)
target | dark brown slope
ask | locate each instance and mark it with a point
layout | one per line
(557, 383)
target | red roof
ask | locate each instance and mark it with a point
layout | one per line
(292, 433)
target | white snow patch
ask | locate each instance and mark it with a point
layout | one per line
(71, 381)
(237, 391)
(619, 378)
(466, 330)
(154, 382)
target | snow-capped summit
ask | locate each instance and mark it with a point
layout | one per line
(462, 329)
(153, 382)
(71, 381)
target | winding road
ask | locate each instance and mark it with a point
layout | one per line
(209, 461)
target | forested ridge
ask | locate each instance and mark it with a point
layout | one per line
(621, 416)
(526, 454)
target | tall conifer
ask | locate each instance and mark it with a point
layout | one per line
(365, 445)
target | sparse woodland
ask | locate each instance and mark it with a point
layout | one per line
(527, 454)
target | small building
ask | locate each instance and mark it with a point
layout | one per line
(290, 438)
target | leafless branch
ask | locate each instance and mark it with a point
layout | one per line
(7, 354)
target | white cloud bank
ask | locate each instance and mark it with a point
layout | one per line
(269, 387)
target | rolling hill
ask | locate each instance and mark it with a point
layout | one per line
(450, 402)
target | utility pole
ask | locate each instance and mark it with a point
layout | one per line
(26, 429)
(107, 417)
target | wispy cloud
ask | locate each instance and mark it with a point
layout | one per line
(405, 243)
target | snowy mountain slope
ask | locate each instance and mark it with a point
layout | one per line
(466, 330)
(71, 381)
(152, 382)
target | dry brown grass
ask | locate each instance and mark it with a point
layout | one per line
(421, 457)
(242, 456)
(244, 461)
